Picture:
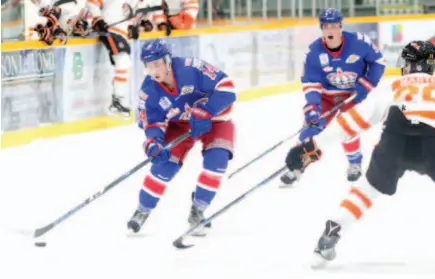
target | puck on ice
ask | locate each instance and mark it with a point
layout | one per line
(40, 244)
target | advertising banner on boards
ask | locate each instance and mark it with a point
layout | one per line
(86, 82)
(396, 34)
(31, 88)
(232, 53)
(273, 56)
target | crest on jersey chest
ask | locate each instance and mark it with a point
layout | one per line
(342, 79)
(187, 89)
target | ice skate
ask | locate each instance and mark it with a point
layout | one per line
(354, 172)
(196, 216)
(136, 222)
(118, 109)
(289, 178)
(325, 250)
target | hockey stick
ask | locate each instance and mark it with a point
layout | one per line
(39, 232)
(332, 110)
(178, 243)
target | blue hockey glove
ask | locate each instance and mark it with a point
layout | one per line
(361, 93)
(313, 116)
(309, 132)
(154, 148)
(200, 121)
(315, 123)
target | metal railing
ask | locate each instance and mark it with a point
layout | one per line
(235, 10)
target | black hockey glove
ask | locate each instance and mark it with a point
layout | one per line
(300, 156)
(133, 32)
(99, 25)
(147, 25)
(44, 33)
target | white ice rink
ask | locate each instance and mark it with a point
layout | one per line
(271, 234)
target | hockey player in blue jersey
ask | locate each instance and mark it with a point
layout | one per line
(178, 95)
(336, 66)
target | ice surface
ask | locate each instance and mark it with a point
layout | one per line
(271, 234)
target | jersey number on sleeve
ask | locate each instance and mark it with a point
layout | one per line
(408, 93)
(205, 68)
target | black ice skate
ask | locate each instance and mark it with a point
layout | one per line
(196, 216)
(325, 250)
(136, 222)
(116, 108)
(289, 177)
(354, 172)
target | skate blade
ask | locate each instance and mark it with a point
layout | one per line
(200, 232)
(286, 186)
(318, 261)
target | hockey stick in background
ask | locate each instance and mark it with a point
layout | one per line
(41, 231)
(178, 243)
(332, 110)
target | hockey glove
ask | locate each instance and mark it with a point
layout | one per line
(133, 32)
(360, 92)
(99, 25)
(315, 123)
(45, 34)
(154, 148)
(147, 25)
(200, 121)
(300, 156)
(312, 115)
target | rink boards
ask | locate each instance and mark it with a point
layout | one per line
(48, 92)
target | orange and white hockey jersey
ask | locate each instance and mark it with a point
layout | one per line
(112, 11)
(183, 13)
(413, 93)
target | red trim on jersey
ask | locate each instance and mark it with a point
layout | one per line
(366, 84)
(157, 125)
(336, 53)
(312, 87)
(174, 91)
(224, 84)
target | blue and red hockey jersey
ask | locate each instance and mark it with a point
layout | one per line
(358, 66)
(194, 81)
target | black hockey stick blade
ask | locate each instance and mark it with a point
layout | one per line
(39, 232)
(178, 243)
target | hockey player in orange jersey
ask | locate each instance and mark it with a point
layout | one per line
(116, 40)
(182, 14)
(407, 141)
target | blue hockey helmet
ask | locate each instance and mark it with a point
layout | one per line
(155, 49)
(330, 15)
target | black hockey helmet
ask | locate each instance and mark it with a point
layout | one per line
(420, 55)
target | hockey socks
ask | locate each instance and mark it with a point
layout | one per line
(214, 167)
(155, 183)
(352, 149)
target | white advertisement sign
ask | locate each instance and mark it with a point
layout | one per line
(303, 36)
(273, 56)
(394, 35)
(232, 53)
(86, 82)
